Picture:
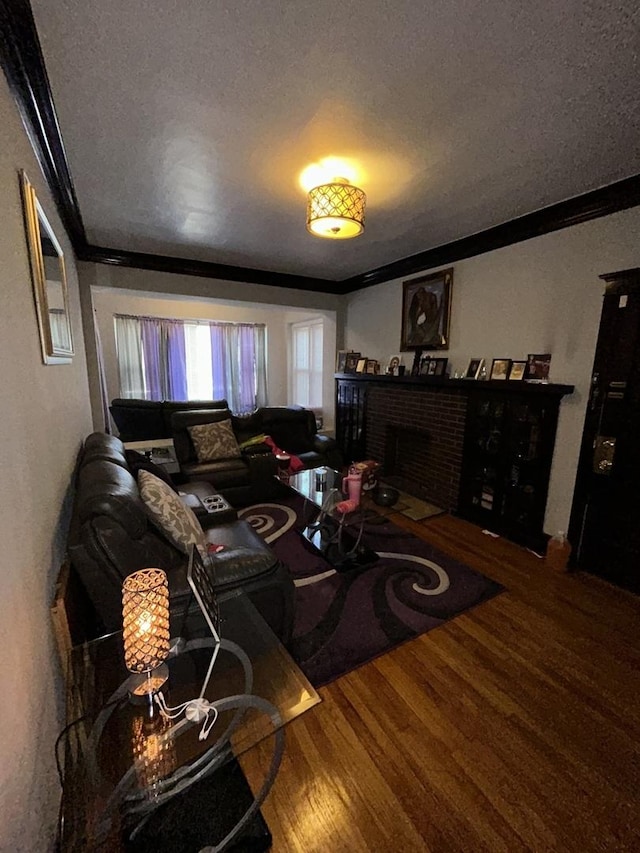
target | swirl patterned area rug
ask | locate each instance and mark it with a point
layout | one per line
(346, 619)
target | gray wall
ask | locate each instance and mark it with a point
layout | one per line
(137, 286)
(542, 295)
(45, 416)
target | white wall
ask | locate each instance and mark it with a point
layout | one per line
(543, 295)
(277, 319)
(45, 416)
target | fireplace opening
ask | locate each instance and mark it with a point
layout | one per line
(418, 437)
(406, 458)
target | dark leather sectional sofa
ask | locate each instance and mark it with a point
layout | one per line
(139, 420)
(111, 536)
(242, 480)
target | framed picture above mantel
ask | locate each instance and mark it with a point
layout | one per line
(426, 311)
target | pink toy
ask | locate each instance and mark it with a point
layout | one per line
(352, 486)
(346, 506)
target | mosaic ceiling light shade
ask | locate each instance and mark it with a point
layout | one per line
(336, 210)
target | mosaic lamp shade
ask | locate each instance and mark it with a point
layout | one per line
(336, 210)
(145, 620)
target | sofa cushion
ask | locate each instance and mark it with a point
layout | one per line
(214, 441)
(290, 427)
(169, 514)
(138, 420)
(223, 473)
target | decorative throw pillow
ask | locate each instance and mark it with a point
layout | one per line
(165, 509)
(214, 441)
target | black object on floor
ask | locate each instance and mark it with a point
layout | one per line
(385, 495)
(338, 546)
(202, 815)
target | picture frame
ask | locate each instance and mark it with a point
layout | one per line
(361, 366)
(425, 363)
(395, 362)
(537, 369)
(341, 360)
(426, 311)
(500, 368)
(49, 279)
(373, 366)
(440, 368)
(516, 374)
(474, 369)
(351, 362)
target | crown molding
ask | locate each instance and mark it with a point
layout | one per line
(23, 64)
(206, 269)
(591, 205)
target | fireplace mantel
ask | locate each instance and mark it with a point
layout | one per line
(468, 385)
(482, 449)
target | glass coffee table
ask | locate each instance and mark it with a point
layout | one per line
(134, 779)
(337, 536)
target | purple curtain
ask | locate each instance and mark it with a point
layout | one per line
(151, 348)
(246, 379)
(238, 361)
(219, 362)
(176, 359)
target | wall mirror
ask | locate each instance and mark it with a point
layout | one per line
(49, 280)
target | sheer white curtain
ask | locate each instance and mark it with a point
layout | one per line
(130, 358)
(59, 323)
(260, 333)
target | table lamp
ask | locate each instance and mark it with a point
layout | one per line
(145, 623)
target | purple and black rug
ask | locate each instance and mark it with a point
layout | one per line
(346, 619)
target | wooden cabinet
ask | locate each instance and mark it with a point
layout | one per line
(508, 450)
(350, 418)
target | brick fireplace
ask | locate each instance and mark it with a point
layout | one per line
(418, 433)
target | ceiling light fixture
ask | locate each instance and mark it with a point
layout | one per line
(336, 210)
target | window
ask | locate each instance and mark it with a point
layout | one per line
(162, 359)
(197, 340)
(306, 364)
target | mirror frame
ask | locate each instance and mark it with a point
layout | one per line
(33, 216)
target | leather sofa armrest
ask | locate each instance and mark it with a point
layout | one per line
(193, 502)
(261, 465)
(323, 443)
(208, 505)
(240, 564)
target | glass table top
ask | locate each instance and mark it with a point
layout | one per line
(315, 484)
(123, 760)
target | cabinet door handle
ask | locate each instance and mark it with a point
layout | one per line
(604, 448)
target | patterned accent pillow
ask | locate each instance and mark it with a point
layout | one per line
(170, 515)
(214, 441)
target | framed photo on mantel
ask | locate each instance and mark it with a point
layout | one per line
(537, 369)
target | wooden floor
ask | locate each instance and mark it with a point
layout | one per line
(515, 726)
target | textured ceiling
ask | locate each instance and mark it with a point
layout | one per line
(187, 123)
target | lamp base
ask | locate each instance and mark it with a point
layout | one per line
(143, 685)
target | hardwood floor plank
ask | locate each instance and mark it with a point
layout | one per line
(514, 727)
